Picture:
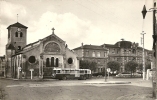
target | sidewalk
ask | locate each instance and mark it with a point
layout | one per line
(129, 81)
(35, 79)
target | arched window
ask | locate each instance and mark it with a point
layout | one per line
(21, 34)
(52, 61)
(52, 47)
(57, 62)
(47, 62)
(16, 34)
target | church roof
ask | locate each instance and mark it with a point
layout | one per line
(10, 46)
(38, 42)
(17, 25)
(91, 47)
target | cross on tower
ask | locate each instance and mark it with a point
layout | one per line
(53, 30)
(17, 17)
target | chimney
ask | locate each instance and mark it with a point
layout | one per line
(82, 44)
(137, 44)
(66, 46)
(104, 46)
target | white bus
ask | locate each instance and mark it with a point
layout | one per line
(68, 73)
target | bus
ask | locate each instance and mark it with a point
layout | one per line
(68, 73)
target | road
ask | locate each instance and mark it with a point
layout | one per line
(75, 90)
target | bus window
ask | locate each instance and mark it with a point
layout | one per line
(57, 71)
(81, 71)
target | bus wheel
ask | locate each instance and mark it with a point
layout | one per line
(64, 78)
(84, 77)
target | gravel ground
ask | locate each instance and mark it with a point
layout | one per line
(75, 90)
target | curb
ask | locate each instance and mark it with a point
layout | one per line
(34, 79)
(110, 82)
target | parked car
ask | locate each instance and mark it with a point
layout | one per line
(127, 74)
(124, 74)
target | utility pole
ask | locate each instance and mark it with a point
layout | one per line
(143, 56)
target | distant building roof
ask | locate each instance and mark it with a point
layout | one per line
(124, 44)
(17, 25)
(91, 47)
(110, 45)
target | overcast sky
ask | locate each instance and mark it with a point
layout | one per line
(78, 21)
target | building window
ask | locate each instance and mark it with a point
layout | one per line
(47, 62)
(16, 34)
(105, 54)
(98, 54)
(21, 34)
(57, 62)
(52, 61)
(32, 59)
(133, 51)
(117, 51)
(70, 61)
(98, 61)
(52, 47)
(87, 53)
(125, 59)
(113, 51)
(129, 51)
(93, 54)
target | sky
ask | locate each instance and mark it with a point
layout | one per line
(92, 22)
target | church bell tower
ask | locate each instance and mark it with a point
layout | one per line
(17, 35)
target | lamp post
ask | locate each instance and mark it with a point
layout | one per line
(144, 11)
(143, 56)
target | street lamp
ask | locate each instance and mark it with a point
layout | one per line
(143, 56)
(144, 11)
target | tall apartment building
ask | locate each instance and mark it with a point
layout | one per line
(124, 51)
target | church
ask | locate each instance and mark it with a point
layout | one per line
(36, 60)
